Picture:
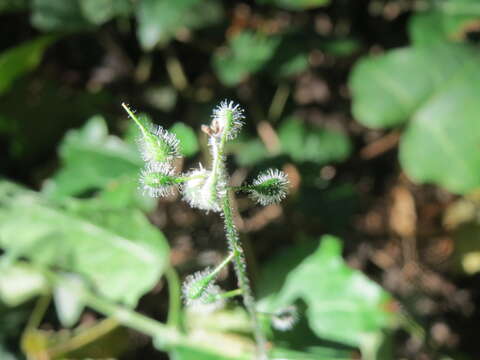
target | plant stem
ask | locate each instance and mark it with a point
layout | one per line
(241, 272)
(174, 303)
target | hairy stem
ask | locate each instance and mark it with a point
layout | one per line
(241, 272)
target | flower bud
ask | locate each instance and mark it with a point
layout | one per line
(200, 293)
(156, 144)
(199, 191)
(158, 179)
(270, 187)
(226, 118)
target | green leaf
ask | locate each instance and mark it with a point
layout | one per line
(20, 283)
(298, 5)
(427, 28)
(249, 152)
(245, 54)
(101, 11)
(7, 6)
(116, 250)
(21, 59)
(343, 305)
(158, 20)
(188, 139)
(317, 145)
(431, 90)
(59, 15)
(92, 159)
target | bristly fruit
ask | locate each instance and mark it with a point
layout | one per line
(156, 144)
(270, 187)
(158, 180)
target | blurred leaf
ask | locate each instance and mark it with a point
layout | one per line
(341, 46)
(101, 11)
(295, 4)
(431, 90)
(20, 59)
(190, 353)
(123, 193)
(67, 296)
(117, 250)
(343, 305)
(188, 139)
(432, 27)
(159, 19)
(92, 159)
(245, 54)
(20, 283)
(11, 6)
(249, 152)
(317, 145)
(291, 55)
(59, 15)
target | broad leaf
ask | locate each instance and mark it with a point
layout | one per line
(20, 59)
(432, 91)
(432, 27)
(343, 305)
(92, 160)
(116, 250)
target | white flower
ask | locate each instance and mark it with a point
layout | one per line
(227, 117)
(270, 187)
(158, 179)
(285, 318)
(199, 190)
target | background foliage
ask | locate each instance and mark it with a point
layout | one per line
(369, 106)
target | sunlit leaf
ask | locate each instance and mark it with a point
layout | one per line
(92, 159)
(432, 91)
(116, 250)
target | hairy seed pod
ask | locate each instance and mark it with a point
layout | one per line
(270, 187)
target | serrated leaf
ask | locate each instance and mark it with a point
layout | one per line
(20, 59)
(431, 90)
(92, 160)
(116, 250)
(317, 145)
(343, 305)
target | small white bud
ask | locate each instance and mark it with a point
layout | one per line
(270, 187)
(285, 318)
(158, 179)
(227, 117)
(199, 192)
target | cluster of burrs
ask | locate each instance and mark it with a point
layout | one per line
(203, 188)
